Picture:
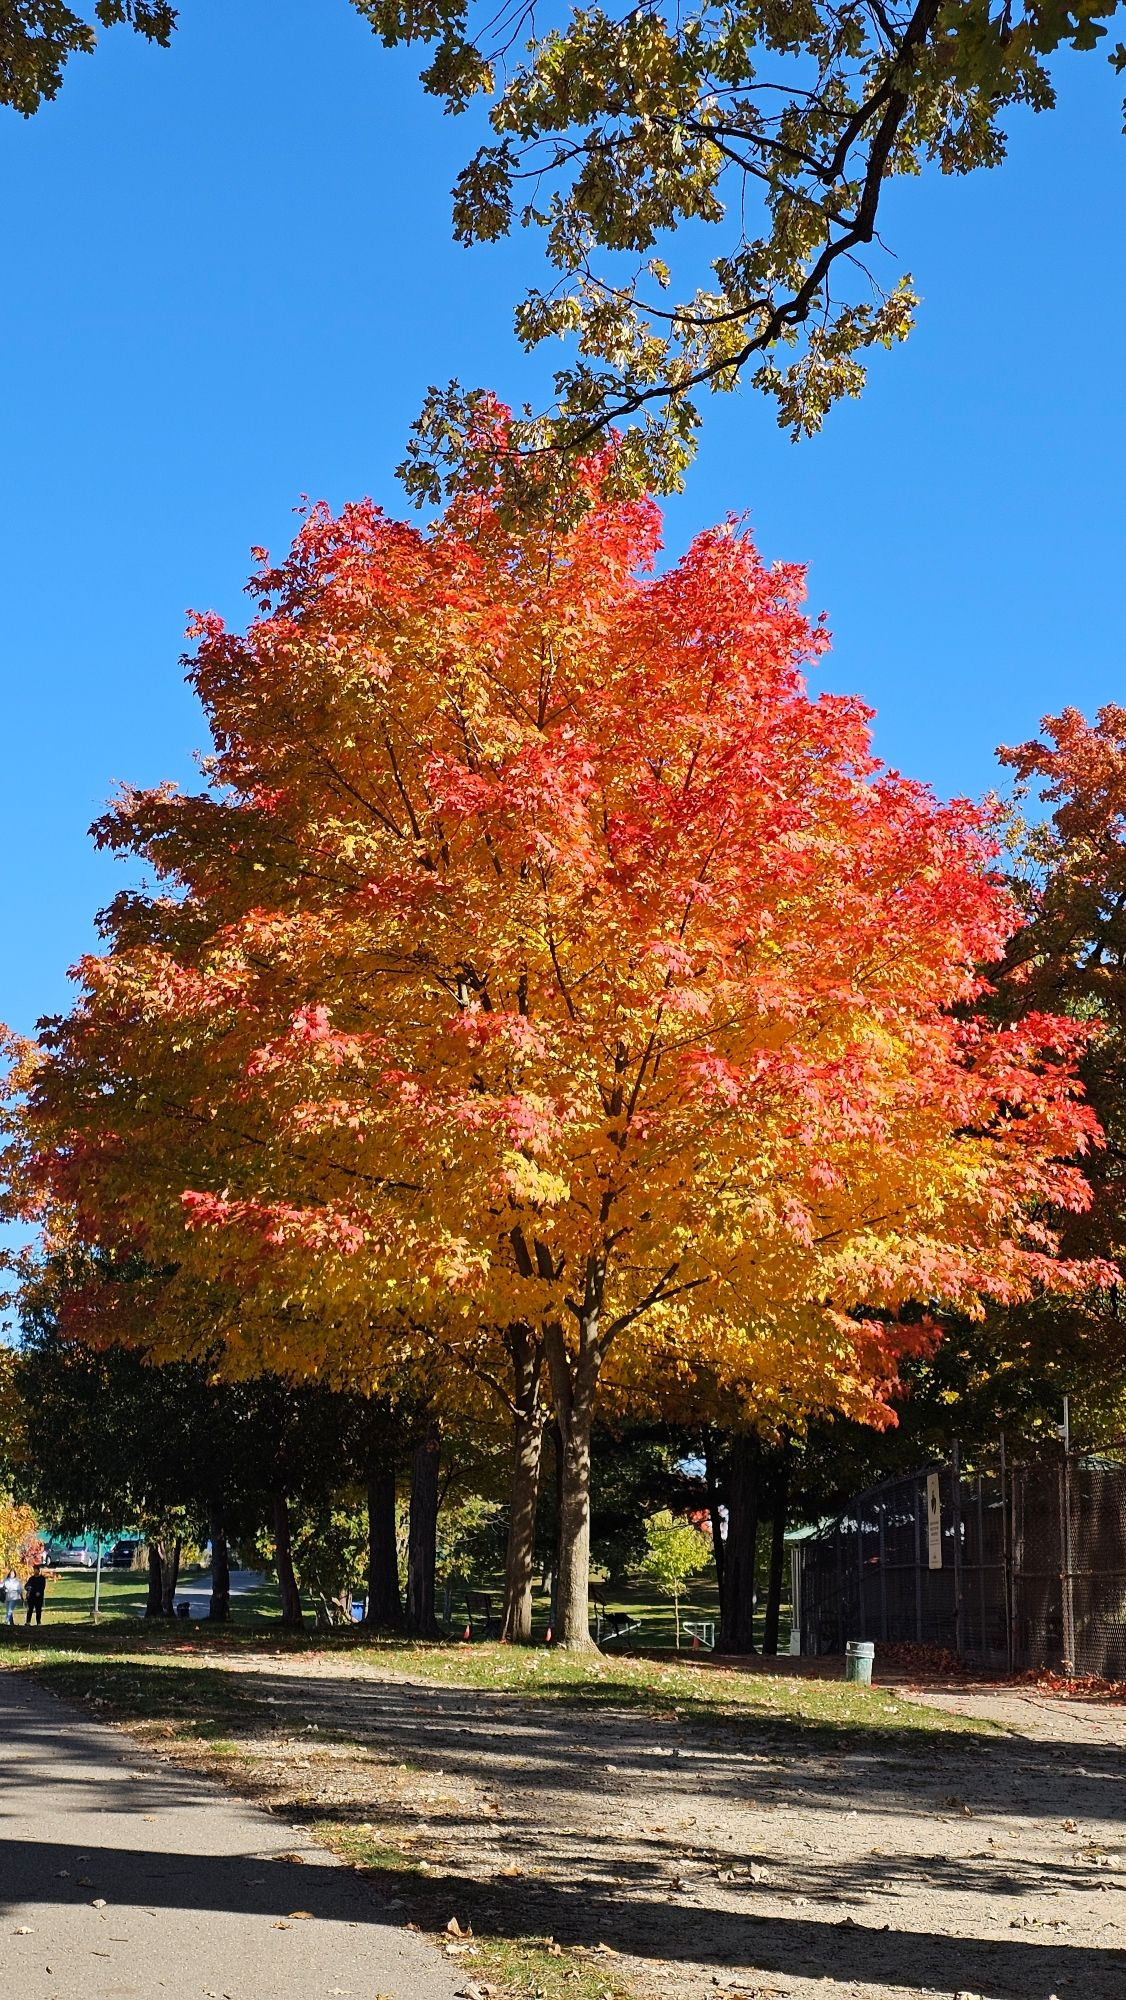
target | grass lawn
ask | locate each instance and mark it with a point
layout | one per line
(164, 1672)
(70, 1598)
(70, 1594)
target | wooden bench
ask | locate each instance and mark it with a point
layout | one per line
(479, 1611)
(609, 1624)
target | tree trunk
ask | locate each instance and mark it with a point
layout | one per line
(170, 1577)
(220, 1607)
(527, 1449)
(737, 1630)
(292, 1616)
(574, 1387)
(777, 1555)
(385, 1606)
(422, 1539)
(154, 1603)
(553, 1436)
(712, 1483)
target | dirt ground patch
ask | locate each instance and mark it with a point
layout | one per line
(741, 1854)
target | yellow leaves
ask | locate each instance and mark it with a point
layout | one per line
(20, 1543)
(531, 1185)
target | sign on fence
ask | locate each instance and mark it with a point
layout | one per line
(934, 1521)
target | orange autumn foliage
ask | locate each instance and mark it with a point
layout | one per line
(541, 954)
(21, 1545)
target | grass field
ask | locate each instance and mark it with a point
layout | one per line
(70, 1594)
(190, 1675)
(70, 1598)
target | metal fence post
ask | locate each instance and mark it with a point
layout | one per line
(920, 1491)
(959, 1618)
(983, 1621)
(1067, 1574)
(883, 1571)
(1006, 1558)
(839, 1538)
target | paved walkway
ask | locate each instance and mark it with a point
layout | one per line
(119, 1880)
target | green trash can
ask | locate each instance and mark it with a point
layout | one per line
(859, 1655)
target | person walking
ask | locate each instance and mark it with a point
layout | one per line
(11, 1590)
(34, 1592)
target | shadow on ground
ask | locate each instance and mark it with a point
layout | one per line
(533, 1785)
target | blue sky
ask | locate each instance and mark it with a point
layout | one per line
(228, 280)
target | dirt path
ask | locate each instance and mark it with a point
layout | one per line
(752, 1857)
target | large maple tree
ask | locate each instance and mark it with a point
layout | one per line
(542, 965)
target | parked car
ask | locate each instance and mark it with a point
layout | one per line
(122, 1553)
(68, 1555)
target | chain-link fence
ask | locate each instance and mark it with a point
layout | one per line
(1007, 1566)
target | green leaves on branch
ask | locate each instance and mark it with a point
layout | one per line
(38, 37)
(775, 125)
(770, 128)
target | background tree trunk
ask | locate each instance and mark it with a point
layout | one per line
(220, 1607)
(292, 1616)
(527, 1450)
(385, 1605)
(154, 1603)
(170, 1576)
(422, 1540)
(737, 1630)
(573, 1388)
(777, 1555)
